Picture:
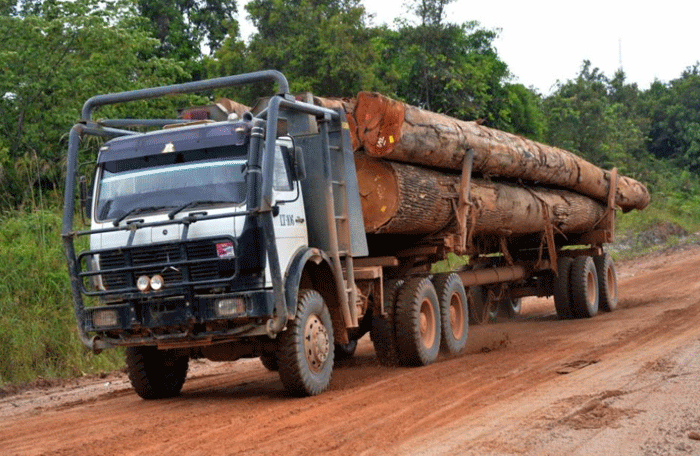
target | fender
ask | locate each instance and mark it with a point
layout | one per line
(295, 270)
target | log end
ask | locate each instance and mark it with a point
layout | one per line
(378, 192)
(379, 120)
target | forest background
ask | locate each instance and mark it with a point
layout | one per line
(55, 54)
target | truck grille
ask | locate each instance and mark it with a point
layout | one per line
(190, 263)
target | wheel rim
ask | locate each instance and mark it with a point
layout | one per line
(590, 288)
(427, 323)
(316, 343)
(612, 284)
(457, 316)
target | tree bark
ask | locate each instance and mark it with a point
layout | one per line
(397, 131)
(347, 105)
(398, 198)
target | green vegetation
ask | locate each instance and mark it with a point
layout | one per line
(56, 54)
(38, 335)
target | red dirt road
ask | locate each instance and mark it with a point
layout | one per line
(624, 382)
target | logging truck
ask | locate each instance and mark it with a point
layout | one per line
(269, 233)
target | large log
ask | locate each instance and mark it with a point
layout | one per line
(347, 105)
(390, 129)
(403, 199)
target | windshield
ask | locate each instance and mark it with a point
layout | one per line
(123, 189)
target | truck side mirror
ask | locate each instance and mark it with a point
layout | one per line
(85, 199)
(299, 167)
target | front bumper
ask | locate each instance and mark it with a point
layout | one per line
(190, 322)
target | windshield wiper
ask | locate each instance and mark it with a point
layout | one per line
(174, 212)
(138, 210)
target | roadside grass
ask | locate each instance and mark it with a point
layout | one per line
(38, 334)
(670, 220)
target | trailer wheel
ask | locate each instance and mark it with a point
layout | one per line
(454, 312)
(584, 287)
(345, 351)
(562, 301)
(156, 374)
(383, 332)
(607, 281)
(305, 348)
(417, 323)
(269, 361)
(511, 306)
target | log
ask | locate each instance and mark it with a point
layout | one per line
(347, 105)
(396, 131)
(398, 198)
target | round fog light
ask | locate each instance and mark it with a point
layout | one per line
(143, 283)
(157, 282)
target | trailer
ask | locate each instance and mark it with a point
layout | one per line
(248, 237)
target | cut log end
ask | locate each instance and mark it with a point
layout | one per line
(379, 121)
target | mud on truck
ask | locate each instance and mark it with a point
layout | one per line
(245, 237)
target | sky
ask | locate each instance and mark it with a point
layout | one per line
(543, 41)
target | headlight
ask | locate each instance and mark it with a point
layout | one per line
(157, 282)
(143, 283)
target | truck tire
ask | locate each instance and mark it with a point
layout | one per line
(345, 351)
(383, 332)
(607, 282)
(511, 306)
(269, 361)
(418, 323)
(156, 374)
(584, 288)
(454, 312)
(562, 301)
(305, 348)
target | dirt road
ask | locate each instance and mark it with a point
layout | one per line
(622, 383)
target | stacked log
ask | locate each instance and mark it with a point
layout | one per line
(396, 131)
(408, 162)
(398, 198)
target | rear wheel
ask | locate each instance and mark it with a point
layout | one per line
(417, 323)
(584, 287)
(607, 281)
(383, 332)
(345, 351)
(156, 374)
(562, 301)
(305, 350)
(454, 312)
(513, 306)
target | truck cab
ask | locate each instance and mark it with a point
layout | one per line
(218, 239)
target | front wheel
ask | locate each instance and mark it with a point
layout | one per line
(269, 361)
(305, 350)
(156, 374)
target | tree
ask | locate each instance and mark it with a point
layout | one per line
(448, 68)
(184, 26)
(320, 45)
(187, 28)
(599, 119)
(674, 110)
(50, 62)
